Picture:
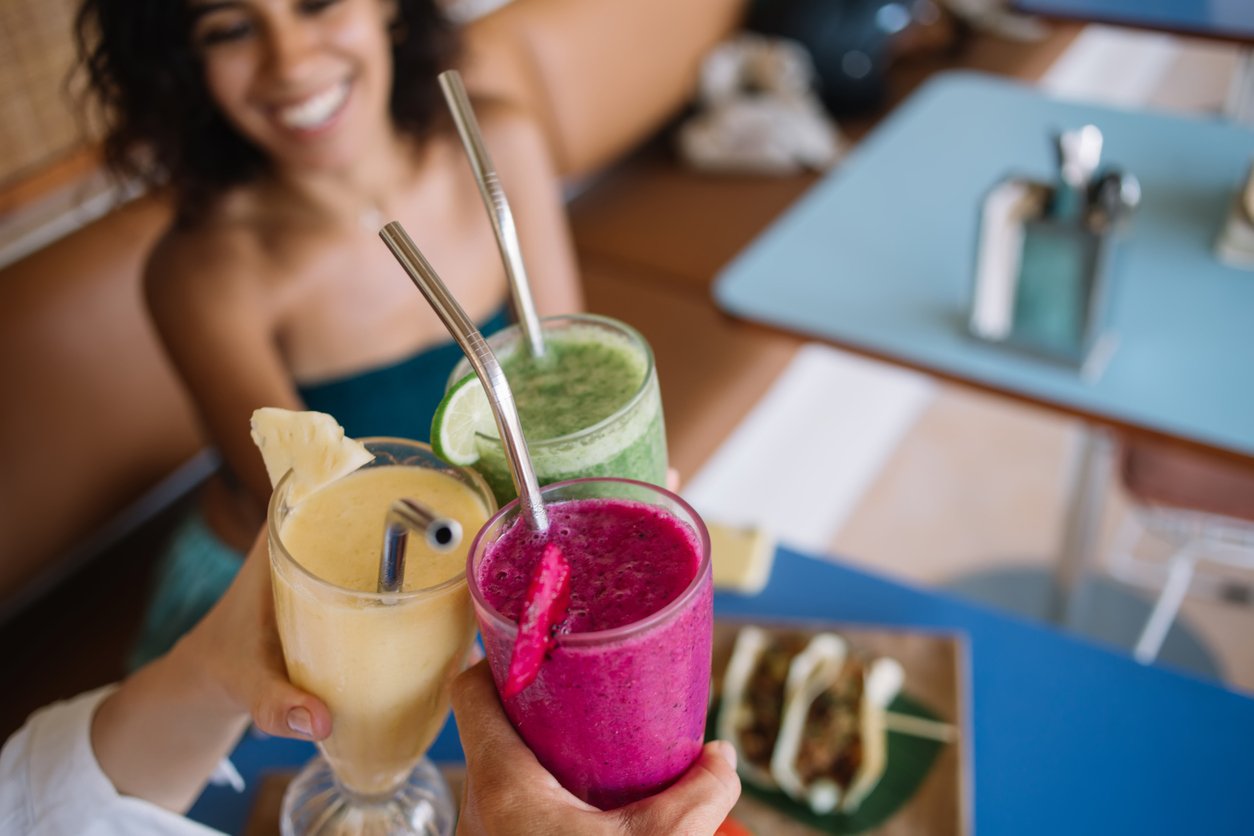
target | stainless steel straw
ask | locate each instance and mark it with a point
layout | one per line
(483, 361)
(405, 516)
(497, 205)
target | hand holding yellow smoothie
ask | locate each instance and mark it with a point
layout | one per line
(382, 661)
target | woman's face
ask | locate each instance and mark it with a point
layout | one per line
(307, 81)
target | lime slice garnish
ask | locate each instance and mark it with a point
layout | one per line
(463, 413)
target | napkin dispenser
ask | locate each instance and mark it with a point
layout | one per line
(1044, 253)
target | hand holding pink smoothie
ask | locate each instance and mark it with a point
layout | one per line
(617, 709)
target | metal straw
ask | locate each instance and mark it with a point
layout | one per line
(404, 516)
(498, 207)
(483, 361)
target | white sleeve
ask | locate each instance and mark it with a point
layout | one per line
(52, 784)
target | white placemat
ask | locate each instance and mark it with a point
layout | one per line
(800, 461)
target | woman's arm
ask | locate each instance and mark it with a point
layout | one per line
(599, 75)
(161, 733)
(159, 736)
(206, 295)
(531, 184)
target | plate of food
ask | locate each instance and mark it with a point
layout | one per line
(843, 729)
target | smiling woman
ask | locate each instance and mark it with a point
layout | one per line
(308, 84)
(286, 132)
(188, 90)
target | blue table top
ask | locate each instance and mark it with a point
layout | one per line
(879, 257)
(1228, 19)
(1068, 737)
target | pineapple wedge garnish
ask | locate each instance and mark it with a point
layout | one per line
(310, 444)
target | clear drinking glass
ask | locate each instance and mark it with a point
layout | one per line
(382, 662)
(602, 359)
(615, 714)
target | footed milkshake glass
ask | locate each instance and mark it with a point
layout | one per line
(382, 662)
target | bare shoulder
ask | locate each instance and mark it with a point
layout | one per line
(218, 262)
(512, 132)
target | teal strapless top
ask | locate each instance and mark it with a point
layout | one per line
(398, 399)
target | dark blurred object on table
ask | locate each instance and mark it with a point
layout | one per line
(854, 43)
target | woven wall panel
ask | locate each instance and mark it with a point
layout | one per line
(37, 119)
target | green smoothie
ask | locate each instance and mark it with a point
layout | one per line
(589, 407)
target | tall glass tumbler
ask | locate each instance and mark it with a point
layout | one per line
(615, 714)
(590, 407)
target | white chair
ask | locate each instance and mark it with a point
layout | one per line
(1202, 509)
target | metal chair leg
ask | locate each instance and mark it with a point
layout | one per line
(1179, 575)
(1121, 561)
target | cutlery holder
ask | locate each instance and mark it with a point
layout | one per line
(1042, 277)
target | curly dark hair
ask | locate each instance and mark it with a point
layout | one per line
(163, 128)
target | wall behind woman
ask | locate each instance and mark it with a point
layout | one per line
(37, 123)
(51, 181)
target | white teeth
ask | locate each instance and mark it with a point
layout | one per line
(317, 109)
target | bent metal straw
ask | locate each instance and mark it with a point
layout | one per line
(483, 361)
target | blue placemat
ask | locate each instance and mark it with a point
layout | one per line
(256, 755)
(1068, 737)
(879, 256)
(1230, 19)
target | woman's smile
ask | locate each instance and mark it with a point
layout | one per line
(307, 82)
(315, 112)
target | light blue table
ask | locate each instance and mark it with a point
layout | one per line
(879, 257)
(1067, 737)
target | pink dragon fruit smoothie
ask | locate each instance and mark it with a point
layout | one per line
(617, 710)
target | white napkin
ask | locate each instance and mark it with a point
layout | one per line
(798, 464)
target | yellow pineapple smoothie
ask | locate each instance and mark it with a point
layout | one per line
(381, 662)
